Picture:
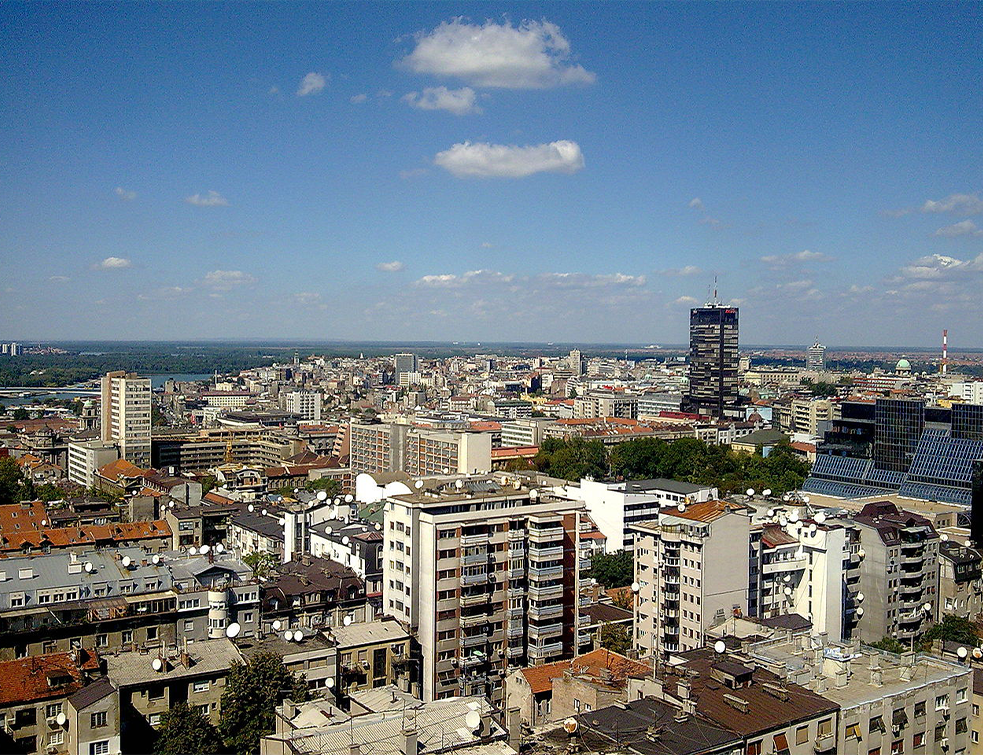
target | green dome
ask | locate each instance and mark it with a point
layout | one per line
(903, 365)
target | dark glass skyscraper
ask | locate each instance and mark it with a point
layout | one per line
(713, 360)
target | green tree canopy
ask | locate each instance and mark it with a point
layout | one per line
(14, 486)
(330, 485)
(954, 628)
(572, 459)
(252, 692)
(613, 569)
(616, 638)
(185, 731)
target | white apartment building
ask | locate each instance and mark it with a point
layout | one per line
(650, 405)
(85, 457)
(126, 403)
(970, 392)
(595, 405)
(488, 577)
(616, 506)
(418, 451)
(305, 403)
(524, 432)
(692, 571)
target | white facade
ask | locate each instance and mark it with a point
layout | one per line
(85, 457)
(126, 405)
(305, 403)
(615, 507)
(971, 392)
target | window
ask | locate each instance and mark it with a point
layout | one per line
(98, 719)
(189, 625)
(961, 695)
(961, 726)
(918, 740)
(920, 709)
(753, 748)
(127, 637)
(897, 747)
(102, 640)
(202, 686)
(825, 727)
(154, 719)
(56, 738)
(152, 633)
(99, 748)
(802, 735)
(51, 710)
(941, 702)
(853, 731)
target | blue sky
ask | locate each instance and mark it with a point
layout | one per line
(450, 171)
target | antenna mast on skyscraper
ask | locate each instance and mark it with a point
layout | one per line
(945, 351)
(714, 301)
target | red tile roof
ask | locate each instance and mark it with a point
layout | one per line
(43, 677)
(540, 678)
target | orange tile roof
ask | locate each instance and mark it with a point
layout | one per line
(30, 679)
(120, 468)
(540, 678)
(15, 517)
(709, 511)
(509, 452)
(86, 534)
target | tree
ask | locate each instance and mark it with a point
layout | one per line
(889, 644)
(261, 563)
(572, 459)
(185, 731)
(20, 414)
(615, 637)
(954, 628)
(613, 569)
(252, 692)
(14, 486)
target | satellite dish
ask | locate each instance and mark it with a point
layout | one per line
(805, 499)
(61, 718)
(157, 664)
(88, 567)
(330, 682)
(962, 652)
(219, 548)
(820, 517)
(794, 516)
(447, 470)
(766, 492)
(345, 540)
(418, 484)
(349, 498)
(250, 508)
(783, 520)
(788, 590)
(322, 495)
(264, 512)
(787, 578)
(635, 587)
(156, 559)
(459, 484)
(977, 653)
(681, 507)
(860, 612)
(276, 625)
(232, 630)
(44, 522)
(171, 504)
(570, 726)
(750, 492)
(943, 537)
(927, 607)
(204, 549)
(126, 562)
(472, 720)
(533, 494)
(288, 635)
(347, 621)
(378, 526)
(860, 597)
(812, 528)
(298, 635)
(720, 647)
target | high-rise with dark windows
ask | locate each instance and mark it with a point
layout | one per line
(713, 332)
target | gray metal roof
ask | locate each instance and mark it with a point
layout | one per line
(661, 483)
(368, 633)
(208, 658)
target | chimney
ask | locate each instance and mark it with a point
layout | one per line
(876, 677)
(354, 749)
(683, 689)
(487, 724)
(289, 709)
(409, 740)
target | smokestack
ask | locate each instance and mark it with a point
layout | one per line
(409, 740)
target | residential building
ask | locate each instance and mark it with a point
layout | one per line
(651, 405)
(616, 506)
(404, 363)
(487, 573)
(417, 451)
(86, 457)
(250, 446)
(888, 703)
(713, 339)
(596, 405)
(960, 575)
(354, 544)
(305, 403)
(312, 593)
(370, 655)
(126, 405)
(899, 573)
(575, 361)
(93, 719)
(524, 432)
(692, 568)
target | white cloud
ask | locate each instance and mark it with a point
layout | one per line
(781, 260)
(312, 83)
(471, 277)
(687, 300)
(696, 203)
(581, 280)
(114, 263)
(390, 267)
(211, 199)
(940, 266)
(457, 101)
(487, 245)
(542, 281)
(530, 55)
(686, 270)
(712, 222)
(358, 99)
(959, 204)
(59, 279)
(223, 280)
(125, 195)
(483, 160)
(962, 228)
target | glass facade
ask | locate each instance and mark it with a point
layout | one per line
(713, 361)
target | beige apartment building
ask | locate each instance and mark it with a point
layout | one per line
(692, 571)
(417, 451)
(487, 572)
(126, 402)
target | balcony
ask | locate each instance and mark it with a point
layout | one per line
(545, 612)
(545, 651)
(515, 613)
(475, 621)
(546, 553)
(476, 599)
(482, 539)
(670, 613)
(546, 572)
(584, 638)
(515, 631)
(474, 579)
(670, 629)
(546, 535)
(912, 617)
(551, 629)
(517, 535)
(475, 640)
(825, 743)
(475, 558)
(515, 651)
(516, 573)
(784, 565)
(546, 592)
(671, 561)
(670, 579)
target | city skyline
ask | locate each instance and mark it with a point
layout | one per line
(486, 173)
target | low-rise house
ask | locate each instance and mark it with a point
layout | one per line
(371, 654)
(554, 691)
(354, 544)
(313, 593)
(93, 721)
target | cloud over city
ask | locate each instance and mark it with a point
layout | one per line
(211, 199)
(312, 83)
(461, 101)
(483, 160)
